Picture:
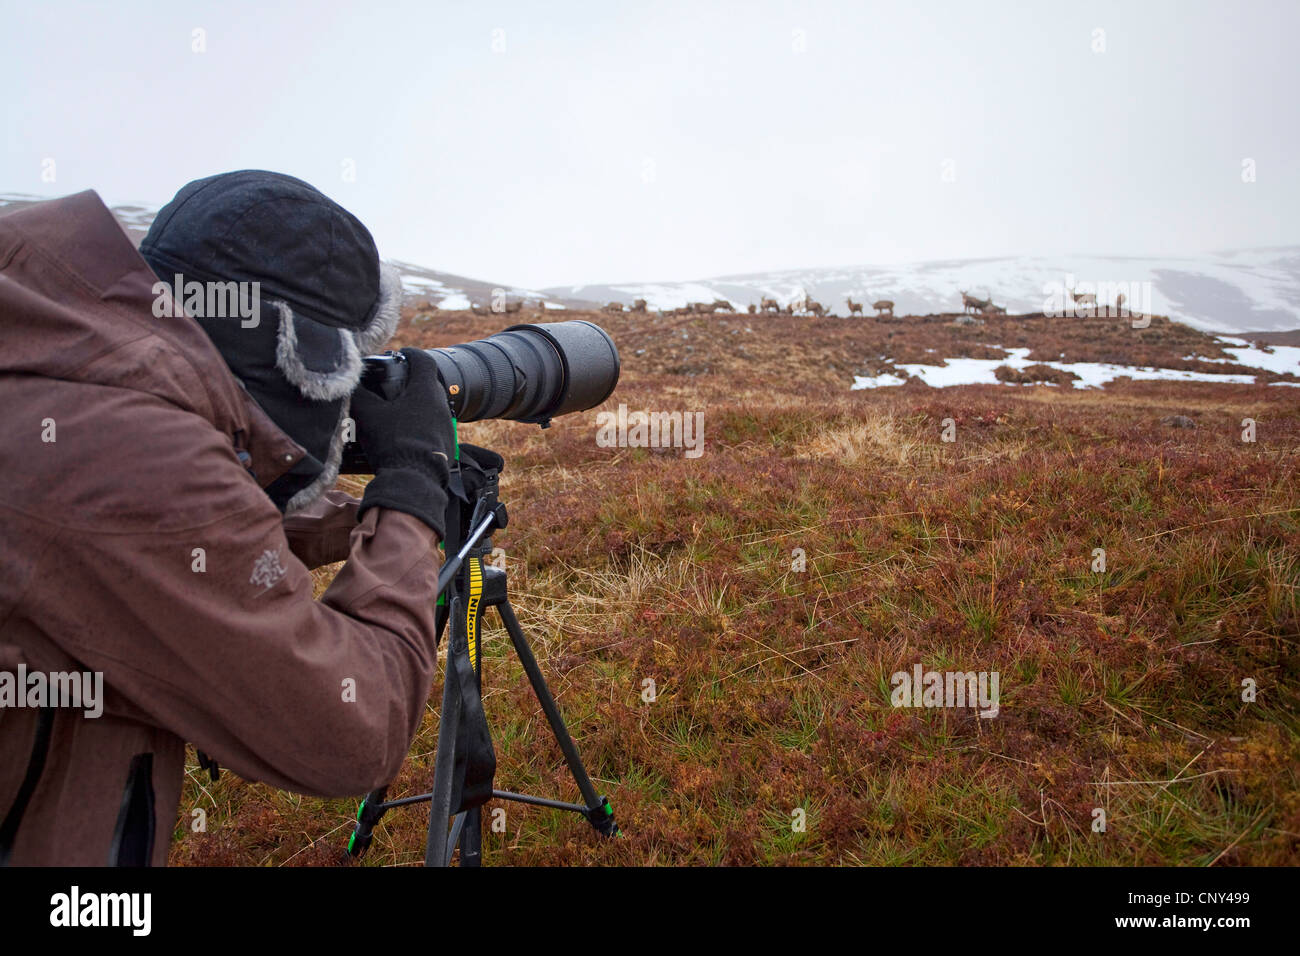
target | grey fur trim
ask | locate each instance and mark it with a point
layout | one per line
(321, 386)
(326, 479)
(383, 322)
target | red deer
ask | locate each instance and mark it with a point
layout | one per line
(770, 305)
(816, 308)
(613, 307)
(854, 307)
(969, 303)
(883, 307)
(1085, 299)
(639, 305)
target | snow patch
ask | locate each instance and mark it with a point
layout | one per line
(420, 284)
(878, 381)
(1283, 358)
(969, 371)
(456, 302)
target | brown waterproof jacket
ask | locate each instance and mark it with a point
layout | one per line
(135, 542)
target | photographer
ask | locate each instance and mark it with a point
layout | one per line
(165, 485)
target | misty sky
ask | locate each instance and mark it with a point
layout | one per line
(544, 144)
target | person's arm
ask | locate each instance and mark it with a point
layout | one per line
(231, 652)
(320, 534)
(190, 602)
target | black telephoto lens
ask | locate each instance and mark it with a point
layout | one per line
(528, 373)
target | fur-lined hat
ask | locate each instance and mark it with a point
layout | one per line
(323, 300)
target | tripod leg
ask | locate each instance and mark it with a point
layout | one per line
(471, 838)
(598, 812)
(367, 816)
(435, 851)
(457, 827)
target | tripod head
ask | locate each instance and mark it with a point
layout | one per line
(475, 489)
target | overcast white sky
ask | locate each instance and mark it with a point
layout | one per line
(604, 141)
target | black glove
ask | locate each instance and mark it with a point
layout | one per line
(408, 441)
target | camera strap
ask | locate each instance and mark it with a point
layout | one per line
(476, 761)
(475, 764)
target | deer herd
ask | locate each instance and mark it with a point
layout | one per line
(804, 304)
(801, 305)
(1086, 302)
(983, 306)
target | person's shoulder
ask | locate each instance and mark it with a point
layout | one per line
(100, 458)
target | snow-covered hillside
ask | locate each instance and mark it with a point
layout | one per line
(1252, 290)
(1244, 291)
(446, 291)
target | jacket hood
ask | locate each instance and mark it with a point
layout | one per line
(77, 303)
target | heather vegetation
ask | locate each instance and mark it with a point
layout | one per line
(1121, 688)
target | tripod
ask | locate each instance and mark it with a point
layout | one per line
(464, 762)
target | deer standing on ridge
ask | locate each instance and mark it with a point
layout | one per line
(1085, 299)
